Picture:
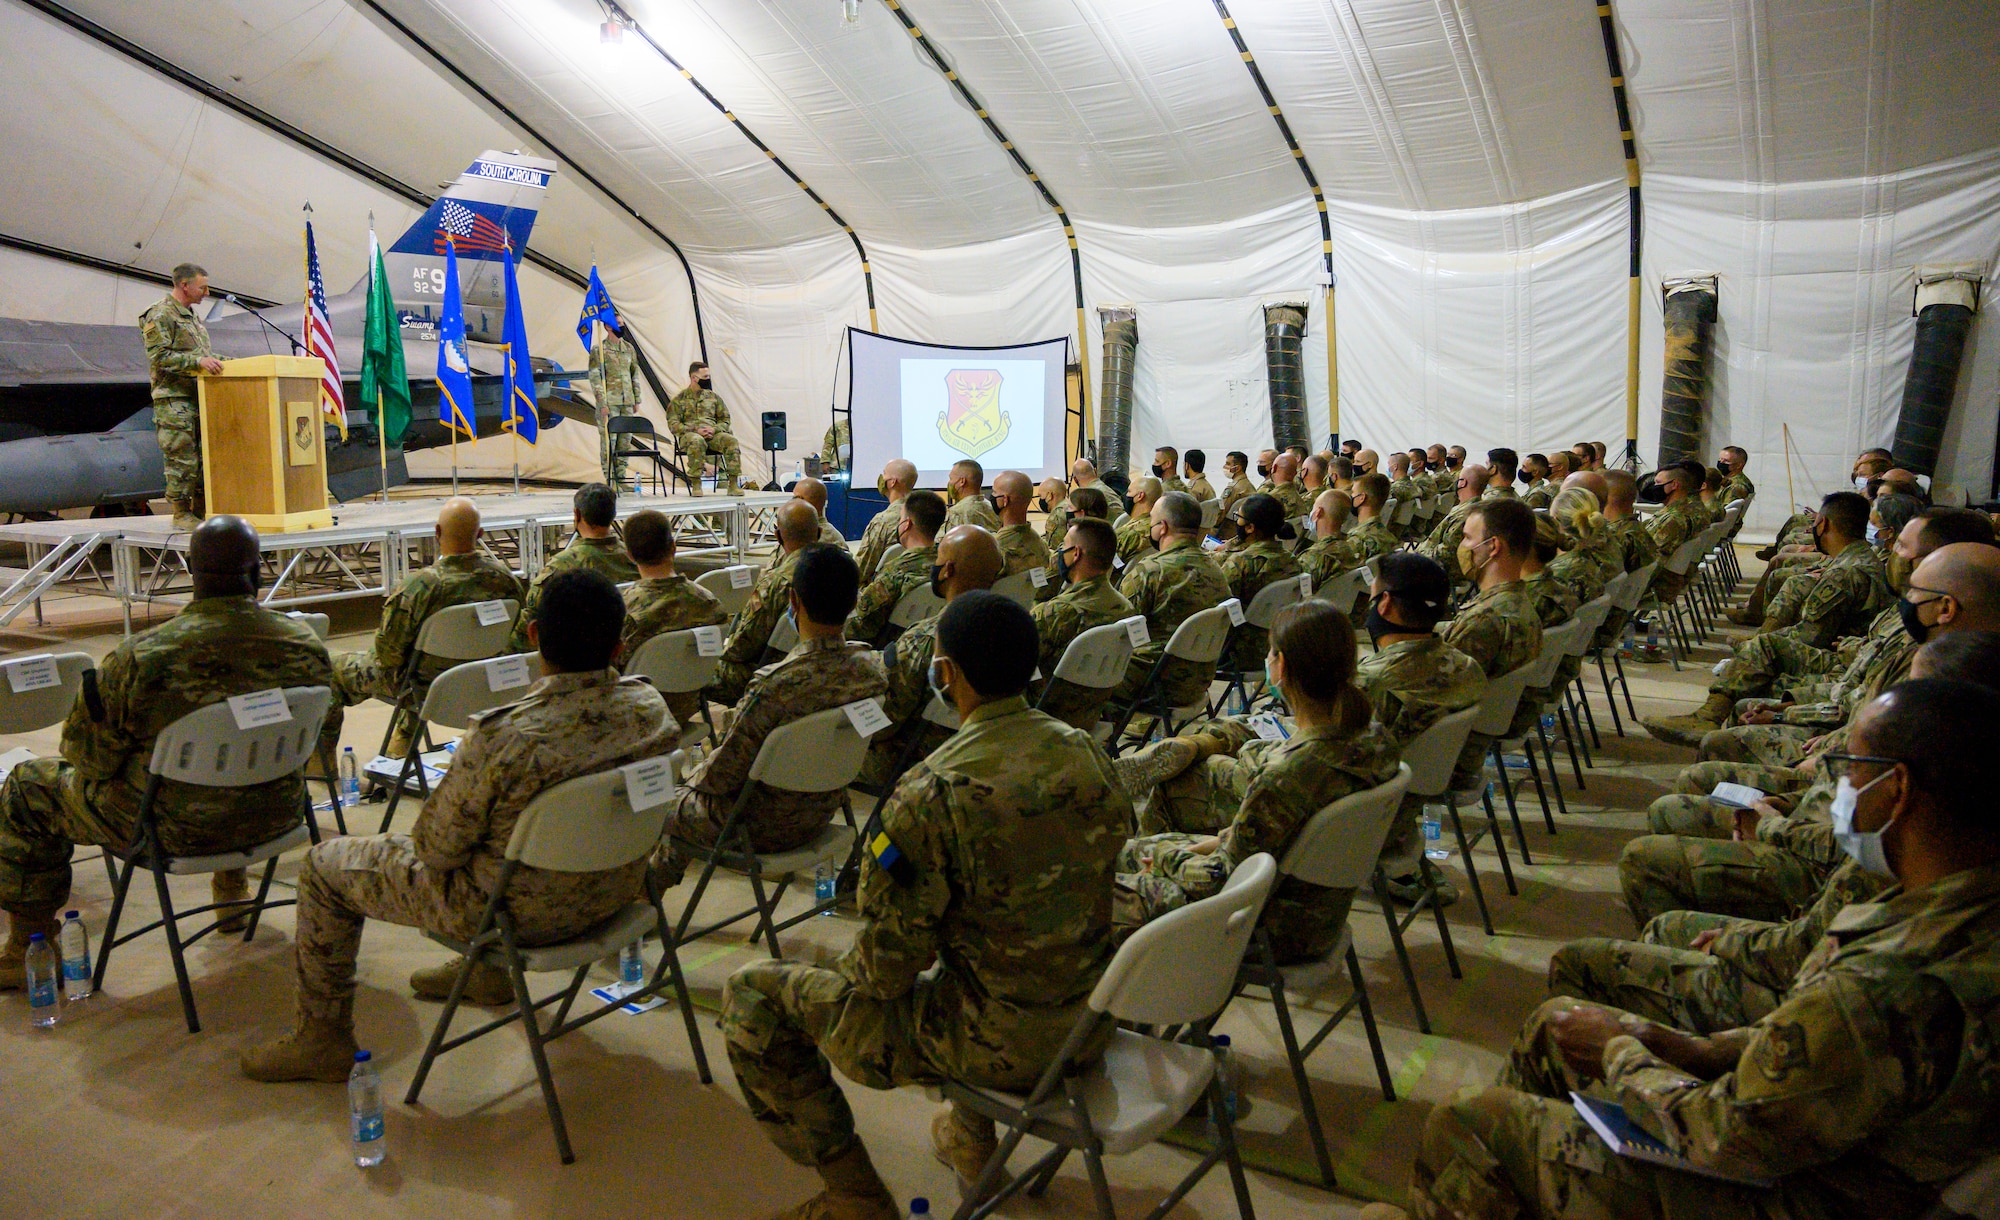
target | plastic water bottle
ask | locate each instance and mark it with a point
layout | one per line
(364, 1111)
(350, 777)
(1548, 724)
(631, 968)
(43, 1010)
(1225, 1082)
(74, 942)
(1434, 834)
(920, 1206)
(826, 881)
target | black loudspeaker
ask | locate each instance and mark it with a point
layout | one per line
(774, 430)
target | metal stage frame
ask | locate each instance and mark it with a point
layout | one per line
(366, 552)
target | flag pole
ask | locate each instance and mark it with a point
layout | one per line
(517, 460)
(454, 458)
(382, 441)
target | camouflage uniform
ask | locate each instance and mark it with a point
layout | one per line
(1234, 492)
(215, 647)
(1167, 586)
(909, 570)
(1740, 977)
(656, 605)
(1864, 1093)
(1058, 523)
(1636, 549)
(1248, 571)
(1442, 545)
(1669, 528)
(176, 344)
(605, 556)
(1406, 491)
(877, 538)
(1555, 604)
(1504, 491)
(1848, 591)
(1327, 558)
(616, 392)
(837, 437)
(1501, 632)
(454, 580)
(694, 408)
(1412, 685)
(1736, 487)
(1293, 497)
(1083, 604)
(441, 875)
(816, 675)
(1540, 493)
(1827, 683)
(1134, 539)
(1369, 541)
(750, 632)
(1200, 488)
(974, 509)
(908, 664)
(1691, 864)
(976, 966)
(1022, 548)
(1257, 795)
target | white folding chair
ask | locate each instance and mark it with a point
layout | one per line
(1263, 609)
(1573, 699)
(1211, 512)
(722, 583)
(1496, 715)
(41, 706)
(1121, 519)
(205, 748)
(451, 634)
(1342, 590)
(320, 623)
(1541, 676)
(1631, 592)
(1430, 756)
(1096, 660)
(1338, 848)
(1199, 642)
(1179, 969)
(581, 825)
(1680, 639)
(454, 698)
(1020, 588)
(672, 661)
(820, 752)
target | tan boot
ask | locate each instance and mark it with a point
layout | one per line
(24, 922)
(184, 515)
(854, 1191)
(1689, 730)
(489, 985)
(232, 885)
(965, 1152)
(314, 1050)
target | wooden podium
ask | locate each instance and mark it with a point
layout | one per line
(263, 442)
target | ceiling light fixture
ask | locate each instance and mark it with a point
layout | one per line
(611, 33)
(850, 11)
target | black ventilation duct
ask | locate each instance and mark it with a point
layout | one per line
(1689, 314)
(1284, 355)
(1114, 423)
(1944, 308)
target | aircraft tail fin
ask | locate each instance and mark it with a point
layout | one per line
(490, 208)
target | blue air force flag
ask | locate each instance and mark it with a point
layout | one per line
(597, 307)
(518, 383)
(454, 372)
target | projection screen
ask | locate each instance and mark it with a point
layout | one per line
(935, 405)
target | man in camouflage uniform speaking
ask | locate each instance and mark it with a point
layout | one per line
(461, 576)
(700, 424)
(1865, 1092)
(616, 391)
(221, 644)
(986, 921)
(176, 349)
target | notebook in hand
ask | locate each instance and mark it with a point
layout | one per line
(1627, 1139)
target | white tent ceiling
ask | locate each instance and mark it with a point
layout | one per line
(1809, 153)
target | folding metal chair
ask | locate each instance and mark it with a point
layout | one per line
(1199, 641)
(1680, 630)
(1180, 969)
(821, 752)
(454, 633)
(641, 442)
(205, 748)
(1095, 660)
(1630, 595)
(1541, 675)
(1338, 848)
(40, 706)
(1496, 715)
(1342, 590)
(1211, 512)
(672, 661)
(582, 825)
(454, 698)
(722, 584)
(1020, 587)
(1430, 756)
(1262, 611)
(912, 608)
(1574, 697)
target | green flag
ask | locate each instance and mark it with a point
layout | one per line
(383, 377)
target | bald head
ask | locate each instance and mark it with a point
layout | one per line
(798, 524)
(813, 492)
(1284, 468)
(899, 478)
(1592, 481)
(223, 557)
(1145, 494)
(1082, 471)
(1329, 513)
(457, 526)
(968, 558)
(1968, 573)
(1367, 461)
(1399, 465)
(1012, 492)
(1620, 489)
(1472, 481)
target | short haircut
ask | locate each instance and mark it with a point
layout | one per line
(972, 469)
(1195, 460)
(1262, 513)
(1181, 512)
(1173, 454)
(827, 581)
(1597, 449)
(1417, 584)
(1968, 656)
(1944, 526)
(1090, 502)
(1352, 441)
(1504, 462)
(1846, 511)
(697, 364)
(184, 272)
(1316, 465)
(1297, 451)
(1742, 454)
(1942, 730)
(992, 640)
(1241, 458)
(1538, 459)
(1097, 540)
(1342, 470)
(1695, 471)
(1896, 509)
(579, 620)
(1711, 478)
(649, 537)
(1508, 520)
(925, 509)
(1375, 487)
(596, 504)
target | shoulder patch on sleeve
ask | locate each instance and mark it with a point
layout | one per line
(887, 856)
(1781, 1051)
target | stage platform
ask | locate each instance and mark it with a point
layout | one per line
(365, 553)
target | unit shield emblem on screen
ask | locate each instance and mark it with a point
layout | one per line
(972, 421)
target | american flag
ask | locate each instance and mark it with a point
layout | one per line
(319, 339)
(467, 229)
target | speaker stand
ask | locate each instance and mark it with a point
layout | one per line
(773, 484)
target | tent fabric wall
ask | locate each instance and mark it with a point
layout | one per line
(1809, 151)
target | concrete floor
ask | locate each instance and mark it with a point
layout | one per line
(131, 1115)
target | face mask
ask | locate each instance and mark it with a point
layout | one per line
(937, 580)
(1875, 533)
(1863, 847)
(1898, 571)
(704, 383)
(882, 486)
(1468, 560)
(935, 676)
(1159, 471)
(1913, 620)
(1269, 679)
(1062, 567)
(1861, 483)
(1377, 626)
(1263, 471)
(1525, 476)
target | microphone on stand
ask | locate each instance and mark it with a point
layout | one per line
(298, 349)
